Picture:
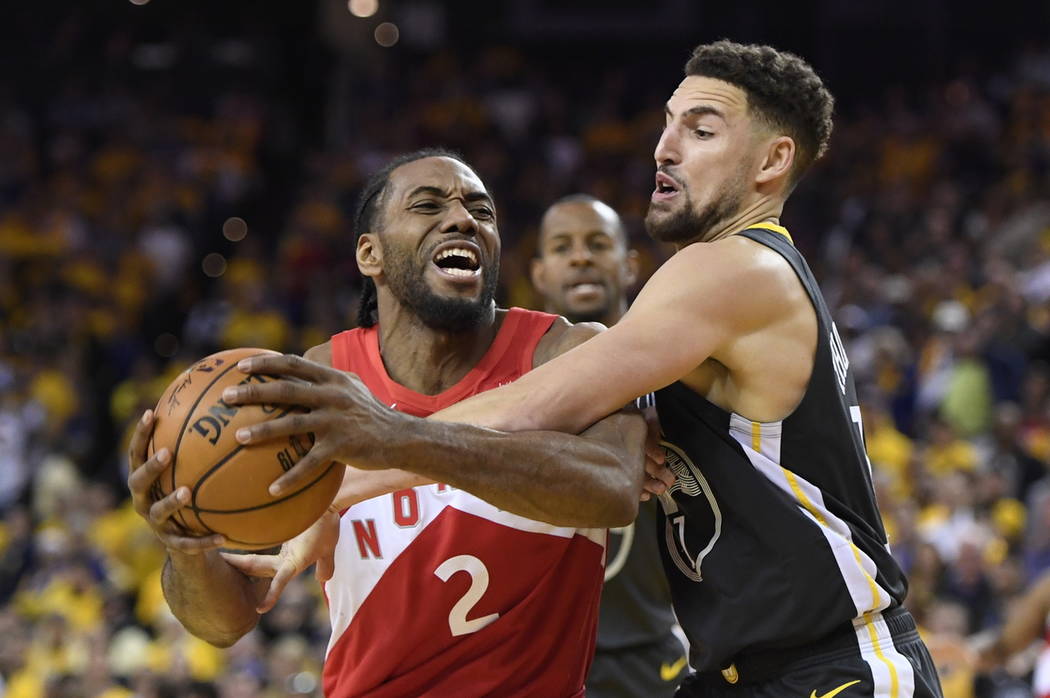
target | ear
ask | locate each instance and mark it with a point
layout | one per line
(631, 267)
(538, 275)
(777, 161)
(370, 255)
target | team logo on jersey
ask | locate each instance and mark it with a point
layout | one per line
(689, 545)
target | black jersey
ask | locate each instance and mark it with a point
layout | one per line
(772, 537)
(636, 601)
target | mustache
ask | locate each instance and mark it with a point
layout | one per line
(666, 170)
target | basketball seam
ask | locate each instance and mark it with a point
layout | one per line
(193, 408)
(200, 510)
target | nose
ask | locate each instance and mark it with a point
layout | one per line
(459, 220)
(579, 256)
(666, 152)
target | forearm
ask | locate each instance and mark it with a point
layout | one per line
(359, 485)
(565, 480)
(210, 598)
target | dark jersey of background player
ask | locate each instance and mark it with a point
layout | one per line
(584, 269)
(778, 562)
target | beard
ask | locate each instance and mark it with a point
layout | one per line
(688, 224)
(404, 275)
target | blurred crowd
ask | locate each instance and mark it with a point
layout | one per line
(140, 230)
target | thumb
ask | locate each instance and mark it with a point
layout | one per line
(284, 575)
(252, 565)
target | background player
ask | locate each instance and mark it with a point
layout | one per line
(778, 562)
(584, 269)
(405, 620)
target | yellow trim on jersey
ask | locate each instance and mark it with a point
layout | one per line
(874, 636)
(775, 228)
(876, 597)
(756, 437)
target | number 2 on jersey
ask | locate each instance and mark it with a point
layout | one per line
(479, 582)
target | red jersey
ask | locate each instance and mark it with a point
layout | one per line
(439, 593)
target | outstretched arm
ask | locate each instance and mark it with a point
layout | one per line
(592, 480)
(700, 299)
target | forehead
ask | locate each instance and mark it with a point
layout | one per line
(447, 174)
(698, 90)
(579, 217)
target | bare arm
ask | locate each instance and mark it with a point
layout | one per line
(691, 309)
(210, 598)
(1024, 624)
(591, 480)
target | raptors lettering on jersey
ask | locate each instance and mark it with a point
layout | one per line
(439, 593)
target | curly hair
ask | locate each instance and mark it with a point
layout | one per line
(782, 90)
(367, 219)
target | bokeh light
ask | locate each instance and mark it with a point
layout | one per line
(387, 34)
(234, 229)
(363, 8)
(214, 265)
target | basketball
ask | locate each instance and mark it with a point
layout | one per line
(228, 481)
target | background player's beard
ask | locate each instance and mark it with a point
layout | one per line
(687, 224)
(404, 274)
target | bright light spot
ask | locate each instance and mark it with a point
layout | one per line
(387, 34)
(214, 265)
(363, 8)
(139, 2)
(234, 229)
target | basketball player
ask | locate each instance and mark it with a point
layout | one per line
(773, 544)
(583, 269)
(436, 591)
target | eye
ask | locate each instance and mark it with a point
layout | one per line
(600, 245)
(483, 213)
(426, 207)
(703, 133)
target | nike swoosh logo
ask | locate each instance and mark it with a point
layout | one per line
(668, 672)
(834, 691)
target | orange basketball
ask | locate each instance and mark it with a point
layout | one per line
(229, 481)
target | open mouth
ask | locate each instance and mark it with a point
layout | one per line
(458, 259)
(666, 187)
(584, 290)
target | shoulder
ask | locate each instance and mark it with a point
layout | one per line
(322, 353)
(563, 336)
(735, 277)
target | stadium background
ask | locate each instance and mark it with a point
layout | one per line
(177, 178)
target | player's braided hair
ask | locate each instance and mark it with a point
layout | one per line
(782, 89)
(367, 219)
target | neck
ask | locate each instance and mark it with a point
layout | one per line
(764, 210)
(427, 360)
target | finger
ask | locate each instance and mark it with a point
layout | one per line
(192, 545)
(655, 452)
(325, 568)
(141, 480)
(287, 365)
(645, 496)
(654, 486)
(161, 511)
(290, 424)
(310, 466)
(277, 391)
(285, 574)
(660, 472)
(253, 565)
(140, 440)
